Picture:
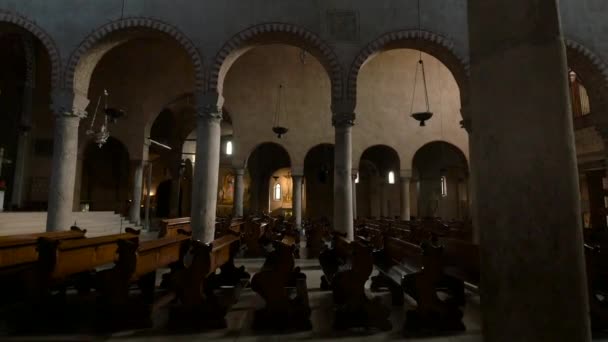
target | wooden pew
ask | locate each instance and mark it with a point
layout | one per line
(170, 227)
(275, 283)
(462, 261)
(18, 256)
(419, 271)
(60, 260)
(22, 249)
(137, 263)
(255, 230)
(194, 285)
(346, 268)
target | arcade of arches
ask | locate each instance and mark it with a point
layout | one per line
(196, 139)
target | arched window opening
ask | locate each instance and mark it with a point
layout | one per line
(276, 193)
(229, 148)
(444, 186)
(391, 177)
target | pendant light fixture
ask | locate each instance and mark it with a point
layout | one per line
(111, 116)
(423, 116)
(277, 128)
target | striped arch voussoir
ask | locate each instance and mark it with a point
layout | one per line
(438, 43)
(134, 23)
(309, 39)
(43, 37)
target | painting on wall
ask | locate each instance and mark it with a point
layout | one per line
(226, 193)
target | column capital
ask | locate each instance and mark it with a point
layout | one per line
(209, 106)
(405, 174)
(343, 119)
(69, 103)
(239, 172)
(297, 171)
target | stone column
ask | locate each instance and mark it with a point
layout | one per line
(468, 126)
(354, 176)
(69, 108)
(138, 181)
(384, 198)
(176, 170)
(534, 285)
(147, 224)
(406, 177)
(23, 142)
(343, 162)
(297, 199)
(601, 126)
(239, 192)
(206, 170)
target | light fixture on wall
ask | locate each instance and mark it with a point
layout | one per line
(277, 128)
(111, 115)
(422, 116)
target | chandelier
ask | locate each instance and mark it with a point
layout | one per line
(426, 115)
(277, 128)
(111, 115)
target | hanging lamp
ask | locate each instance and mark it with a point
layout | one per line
(111, 116)
(277, 128)
(423, 116)
(100, 137)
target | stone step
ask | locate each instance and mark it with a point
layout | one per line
(96, 223)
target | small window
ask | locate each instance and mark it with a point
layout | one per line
(357, 178)
(229, 148)
(391, 177)
(276, 193)
(444, 186)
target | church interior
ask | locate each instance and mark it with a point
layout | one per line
(301, 170)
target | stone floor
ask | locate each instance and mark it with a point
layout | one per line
(240, 318)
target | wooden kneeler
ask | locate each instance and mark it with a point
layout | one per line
(276, 283)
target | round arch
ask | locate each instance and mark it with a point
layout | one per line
(451, 148)
(593, 72)
(83, 60)
(46, 40)
(273, 33)
(441, 174)
(273, 145)
(431, 43)
(384, 154)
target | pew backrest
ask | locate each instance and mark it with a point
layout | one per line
(155, 254)
(23, 249)
(59, 259)
(170, 227)
(461, 259)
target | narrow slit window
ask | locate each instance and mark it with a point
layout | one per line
(391, 177)
(276, 193)
(229, 148)
(444, 186)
